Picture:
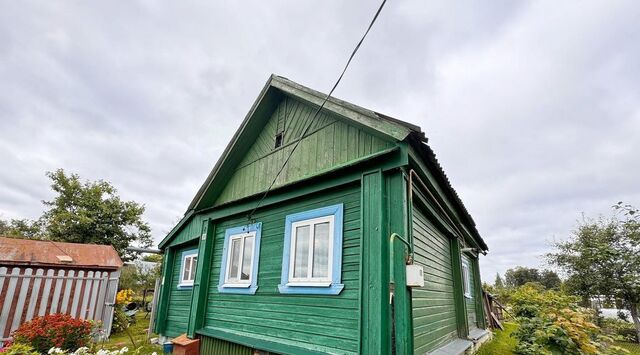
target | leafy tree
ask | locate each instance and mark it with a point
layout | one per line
(602, 258)
(521, 275)
(92, 212)
(22, 228)
(550, 280)
(498, 283)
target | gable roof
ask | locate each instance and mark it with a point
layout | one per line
(379, 124)
(35, 253)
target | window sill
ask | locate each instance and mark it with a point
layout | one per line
(309, 284)
(466, 295)
(298, 289)
(185, 286)
(236, 285)
(239, 289)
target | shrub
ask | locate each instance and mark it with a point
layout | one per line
(124, 296)
(19, 349)
(87, 351)
(54, 330)
(552, 322)
(620, 330)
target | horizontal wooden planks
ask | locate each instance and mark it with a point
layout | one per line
(188, 232)
(433, 306)
(329, 322)
(179, 304)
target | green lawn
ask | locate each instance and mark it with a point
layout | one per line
(502, 342)
(139, 333)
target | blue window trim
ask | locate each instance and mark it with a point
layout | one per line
(256, 227)
(335, 287)
(183, 256)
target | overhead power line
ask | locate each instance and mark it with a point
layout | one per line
(304, 133)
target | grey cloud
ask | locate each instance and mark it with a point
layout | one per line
(532, 107)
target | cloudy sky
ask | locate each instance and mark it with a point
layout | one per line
(532, 107)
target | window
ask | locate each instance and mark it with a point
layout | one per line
(279, 137)
(312, 255)
(238, 272)
(188, 268)
(466, 281)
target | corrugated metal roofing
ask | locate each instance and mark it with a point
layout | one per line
(15, 251)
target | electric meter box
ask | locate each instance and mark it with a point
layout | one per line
(415, 276)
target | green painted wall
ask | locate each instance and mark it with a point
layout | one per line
(325, 324)
(471, 305)
(190, 231)
(179, 302)
(329, 142)
(213, 346)
(433, 306)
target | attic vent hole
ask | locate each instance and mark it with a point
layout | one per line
(279, 139)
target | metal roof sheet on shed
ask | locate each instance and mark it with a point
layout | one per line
(15, 251)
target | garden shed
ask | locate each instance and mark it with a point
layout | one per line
(39, 277)
(360, 246)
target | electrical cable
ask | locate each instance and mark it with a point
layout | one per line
(304, 133)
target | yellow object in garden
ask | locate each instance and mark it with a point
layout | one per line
(124, 296)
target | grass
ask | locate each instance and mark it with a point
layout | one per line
(634, 348)
(139, 333)
(502, 342)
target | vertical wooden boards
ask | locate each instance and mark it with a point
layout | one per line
(30, 292)
(461, 306)
(375, 267)
(470, 300)
(480, 316)
(203, 272)
(288, 323)
(213, 346)
(433, 306)
(329, 142)
(397, 211)
(163, 304)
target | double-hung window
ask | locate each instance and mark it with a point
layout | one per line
(312, 254)
(238, 272)
(188, 268)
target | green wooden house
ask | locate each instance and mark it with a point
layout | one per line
(322, 266)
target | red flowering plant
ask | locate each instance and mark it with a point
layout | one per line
(54, 331)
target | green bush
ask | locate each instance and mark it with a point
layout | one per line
(620, 330)
(553, 323)
(20, 349)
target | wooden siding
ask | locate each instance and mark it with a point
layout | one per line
(321, 323)
(179, 303)
(329, 142)
(470, 302)
(213, 346)
(190, 231)
(434, 318)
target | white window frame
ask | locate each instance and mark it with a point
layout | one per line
(466, 280)
(229, 282)
(188, 258)
(310, 280)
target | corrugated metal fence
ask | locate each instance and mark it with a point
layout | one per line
(213, 346)
(26, 293)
